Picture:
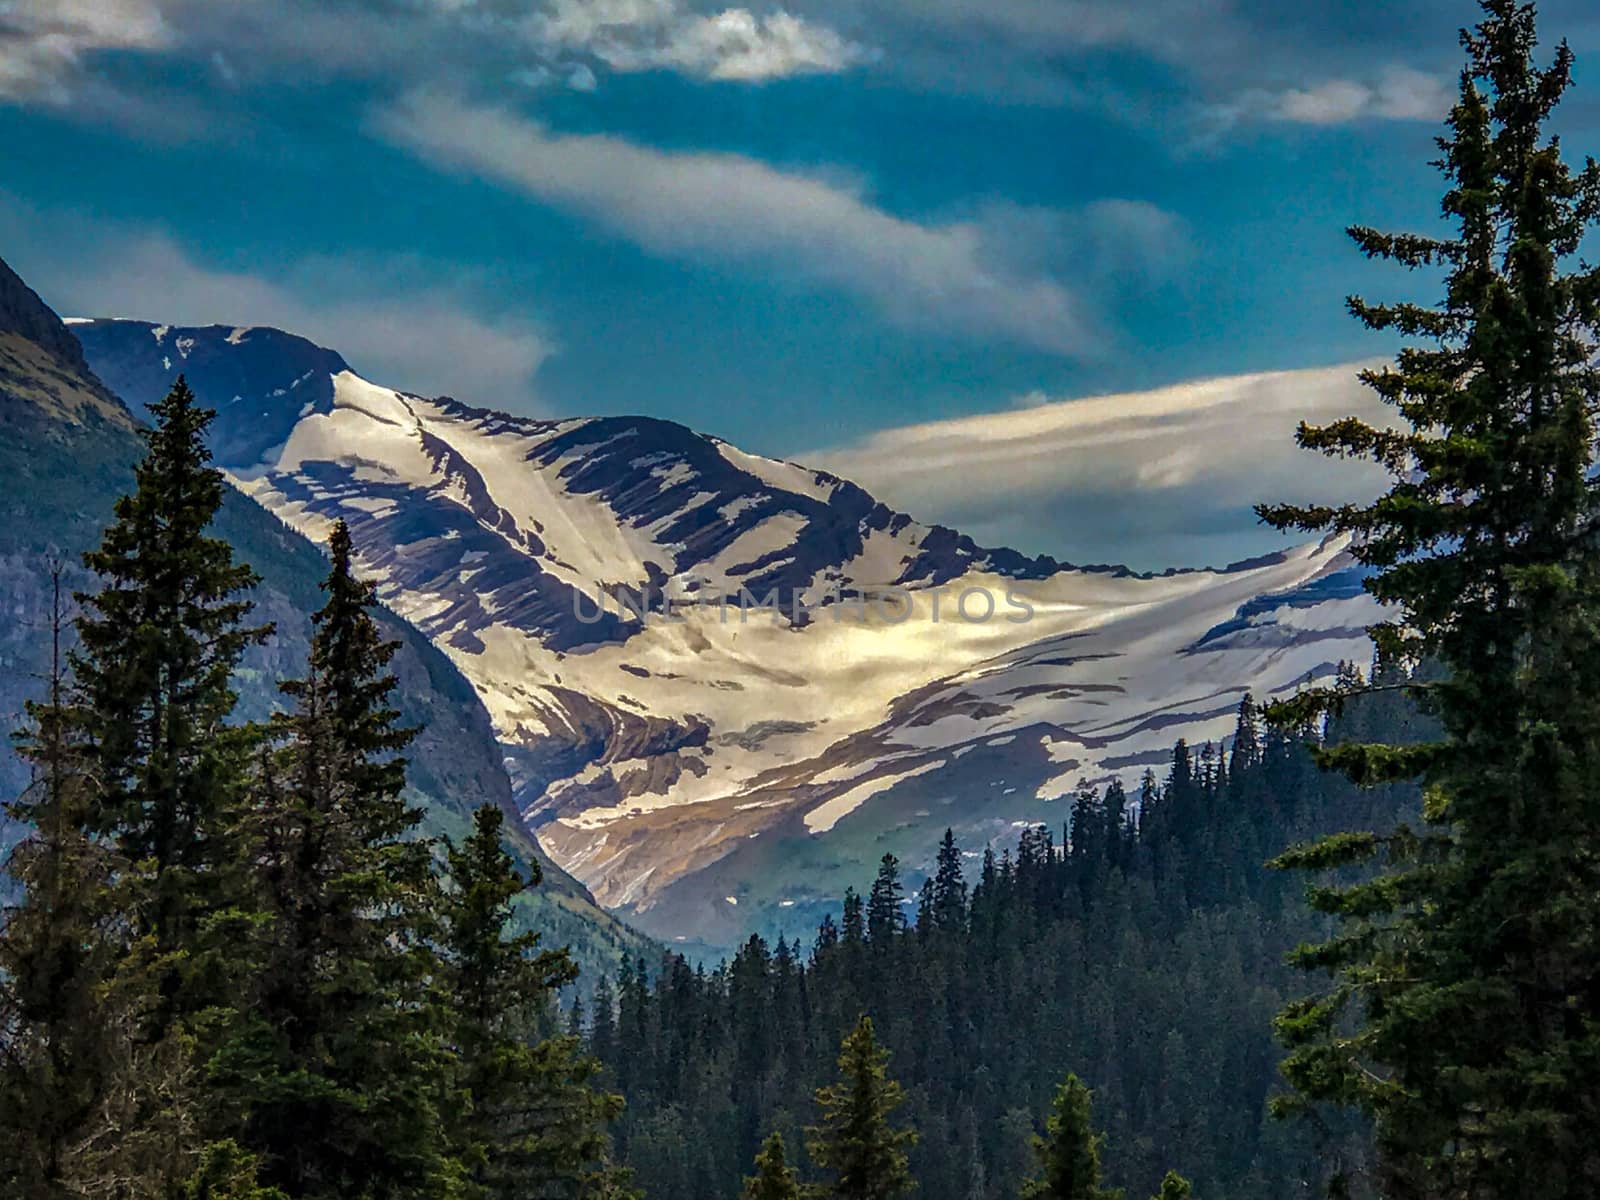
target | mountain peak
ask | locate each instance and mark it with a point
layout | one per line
(260, 380)
(43, 371)
(24, 314)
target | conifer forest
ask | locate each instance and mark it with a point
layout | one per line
(269, 935)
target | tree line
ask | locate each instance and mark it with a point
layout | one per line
(236, 970)
(236, 973)
(1140, 946)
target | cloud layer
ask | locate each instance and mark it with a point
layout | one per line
(726, 208)
(733, 43)
(1161, 478)
(1399, 94)
(43, 43)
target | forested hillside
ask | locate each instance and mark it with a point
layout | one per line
(1142, 948)
(68, 448)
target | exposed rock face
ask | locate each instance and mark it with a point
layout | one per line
(706, 768)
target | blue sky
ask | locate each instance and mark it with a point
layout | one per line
(802, 227)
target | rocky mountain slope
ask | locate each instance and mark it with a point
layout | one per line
(67, 448)
(703, 763)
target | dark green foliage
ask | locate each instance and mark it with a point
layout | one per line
(1158, 990)
(774, 1179)
(1464, 1012)
(157, 646)
(332, 1061)
(1069, 1151)
(948, 887)
(532, 1125)
(1174, 1187)
(227, 1172)
(856, 1144)
(885, 918)
(57, 949)
(223, 980)
(136, 869)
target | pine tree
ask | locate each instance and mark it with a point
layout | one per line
(949, 886)
(334, 1062)
(1246, 750)
(603, 1029)
(774, 1178)
(225, 1171)
(1174, 1187)
(855, 1141)
(885, 918)
(148, 716)
(58, 948)
(157, 646)
(534, 1126)
(1069, 1153)
(1465, 1011)
(854, 929)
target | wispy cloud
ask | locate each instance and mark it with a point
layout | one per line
(728, 208)
(392, 320)
(733, 43)
(1166, 477)
(47, 46)
(1399, 94)
(43, 43)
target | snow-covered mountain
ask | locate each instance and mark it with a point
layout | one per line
(708, 767)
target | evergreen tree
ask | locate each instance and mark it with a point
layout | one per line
(885, 917)
(58, 948)
(925, 909)
(1465, 1012)
(335, 1060)
(157, 646)
(855, 1142)
(603, 1030)
(774, 1179)
(534, 1127)
(854, 929)
(227, 1172)
(148, 717)
(1174, 1187)
(1069, 1153)
(949, 886)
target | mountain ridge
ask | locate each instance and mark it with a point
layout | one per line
(704, 768)
(69, 450)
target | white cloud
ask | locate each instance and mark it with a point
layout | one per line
(389, 320)
(735, 43)
(43, 43)
(1157, 478)
(46, 45)
(724, 207)
(1399, 94)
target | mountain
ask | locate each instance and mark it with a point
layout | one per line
(67, 449)
(708, 768)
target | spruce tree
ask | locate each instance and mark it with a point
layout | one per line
(58, 948)
(949, 886)
(774, 1179)
(1465, 1009)
(1069, 1152)
(157, 646)
(853, 930)
(855, 1142)
(534, 1126)
(334, 1062)
(885, 918)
